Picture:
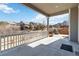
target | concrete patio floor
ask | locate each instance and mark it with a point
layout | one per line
(49, 46)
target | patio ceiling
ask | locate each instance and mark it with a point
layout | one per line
(51, 9)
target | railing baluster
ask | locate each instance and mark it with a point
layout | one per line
(16, 40)
(10, 41)
(20, 39)
(13, 40)
(24, 38)
(7, 42)
(0, 43)
(4, 42)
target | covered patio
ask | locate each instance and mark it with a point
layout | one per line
(51, 46)
(53, 9)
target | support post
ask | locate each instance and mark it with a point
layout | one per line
(74, 24)
(48, 25)
(78, 23)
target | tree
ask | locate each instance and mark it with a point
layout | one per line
(3, 23)
(22, 26)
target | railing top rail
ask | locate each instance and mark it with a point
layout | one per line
(12, 34)
(19, 33)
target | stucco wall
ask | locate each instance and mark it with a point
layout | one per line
(78, 23)
(74, 24)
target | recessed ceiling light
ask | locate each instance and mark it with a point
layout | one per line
(57, 6)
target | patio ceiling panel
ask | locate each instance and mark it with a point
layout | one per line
(50, 9)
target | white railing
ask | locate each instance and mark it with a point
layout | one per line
(13, 40)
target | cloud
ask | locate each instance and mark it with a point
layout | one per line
(39, 18)
(53, 20)
(6, 9)
(59, 19)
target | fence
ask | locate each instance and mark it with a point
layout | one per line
(12, 40)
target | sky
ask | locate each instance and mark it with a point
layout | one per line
(16, 12)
